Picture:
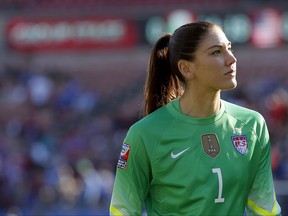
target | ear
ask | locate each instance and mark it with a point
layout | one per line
(186, 68)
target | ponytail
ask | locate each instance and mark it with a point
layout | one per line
(162, 85)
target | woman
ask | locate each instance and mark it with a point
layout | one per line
(193, 153)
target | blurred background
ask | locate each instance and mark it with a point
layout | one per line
(71, 83)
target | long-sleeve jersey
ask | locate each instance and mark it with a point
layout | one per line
(180, 165)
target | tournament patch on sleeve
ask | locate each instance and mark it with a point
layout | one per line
(124, 155)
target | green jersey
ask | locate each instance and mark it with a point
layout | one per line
(180, 165)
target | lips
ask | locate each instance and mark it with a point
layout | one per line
(231, 72)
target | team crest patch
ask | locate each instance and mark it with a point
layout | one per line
(240, 143)
(124, 155)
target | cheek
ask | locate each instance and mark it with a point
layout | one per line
(209, 73)
(215, 79)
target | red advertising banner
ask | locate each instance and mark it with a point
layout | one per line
(50, 35)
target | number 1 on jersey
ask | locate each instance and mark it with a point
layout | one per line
(220, 181)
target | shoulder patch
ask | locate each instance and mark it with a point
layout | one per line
(124, 155)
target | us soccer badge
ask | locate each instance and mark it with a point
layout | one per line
(240, 143)
(124, 155)
(210, 145)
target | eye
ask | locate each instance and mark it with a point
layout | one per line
(216, 52)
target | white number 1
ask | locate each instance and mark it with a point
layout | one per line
(220, 181)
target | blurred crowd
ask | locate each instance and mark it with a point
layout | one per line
(58, 151)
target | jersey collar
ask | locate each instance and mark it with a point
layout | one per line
(174, 108)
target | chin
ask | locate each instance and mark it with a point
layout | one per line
(230, 86)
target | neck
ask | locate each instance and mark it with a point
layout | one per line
(200, 105)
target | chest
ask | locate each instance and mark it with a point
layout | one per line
(204, 158)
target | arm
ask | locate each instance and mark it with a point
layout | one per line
(261, 199)
(132, 179)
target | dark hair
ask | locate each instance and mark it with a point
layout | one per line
(164, 81)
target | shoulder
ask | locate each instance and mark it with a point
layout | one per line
(238, 110)
(148, 131)
(158, 118)
(250, 119)
(152, 126)
(242, 113)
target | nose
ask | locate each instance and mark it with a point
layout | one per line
(231, 59)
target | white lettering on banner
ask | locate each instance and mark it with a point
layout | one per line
(29, 32)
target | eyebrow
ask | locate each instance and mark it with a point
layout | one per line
(219, 46)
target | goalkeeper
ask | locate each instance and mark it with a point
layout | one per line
(194, 153)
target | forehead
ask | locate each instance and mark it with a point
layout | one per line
(214, 37)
